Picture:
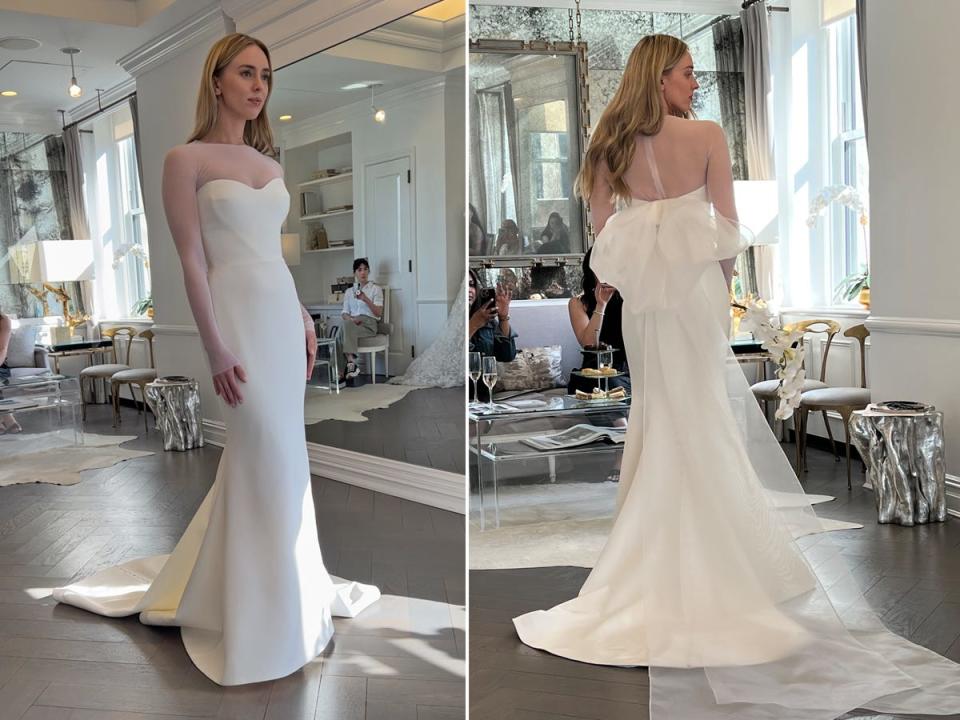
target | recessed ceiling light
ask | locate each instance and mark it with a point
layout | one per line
(359, 85)
(285, 118)
(8, 93)
(19, 43)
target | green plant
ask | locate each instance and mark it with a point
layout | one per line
(852, 284)
(142, 305)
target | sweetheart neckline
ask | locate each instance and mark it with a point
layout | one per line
(240, 182)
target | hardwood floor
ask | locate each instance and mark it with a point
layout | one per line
(401, 659)
(911, 576)
(424, 428)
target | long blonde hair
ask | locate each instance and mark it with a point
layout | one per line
(256, 132)
(636, 107)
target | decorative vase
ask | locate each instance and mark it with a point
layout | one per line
(150, 313)
(864, 297)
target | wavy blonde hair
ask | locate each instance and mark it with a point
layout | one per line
(256, 132)
(636, 107)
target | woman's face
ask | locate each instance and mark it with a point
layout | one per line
(554, 222)
(244, 84)
(471, 291)
(678, 85)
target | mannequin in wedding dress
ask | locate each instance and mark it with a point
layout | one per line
(246, 583)
(701, 578)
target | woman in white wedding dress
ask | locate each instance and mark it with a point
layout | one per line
(246, 583)
(702, 579)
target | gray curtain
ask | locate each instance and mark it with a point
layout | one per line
(496, 158)
(79, 227)
(756, 78)
(728, 49)
(63, 200)
(136, 138)
(862, 59)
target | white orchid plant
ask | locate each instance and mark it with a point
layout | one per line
(849, 197)
(134, 249)
(785, 345)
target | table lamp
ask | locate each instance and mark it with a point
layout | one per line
(45, 262)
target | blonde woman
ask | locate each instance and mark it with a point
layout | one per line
(246, 583)
(701, 578)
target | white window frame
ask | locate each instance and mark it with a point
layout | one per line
(845, 129)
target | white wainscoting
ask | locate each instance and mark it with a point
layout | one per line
(437, 488)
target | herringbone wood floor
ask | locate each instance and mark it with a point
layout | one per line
(911, 576)
(402, 659)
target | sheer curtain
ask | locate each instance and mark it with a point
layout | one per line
(759, 150)
(862, 58)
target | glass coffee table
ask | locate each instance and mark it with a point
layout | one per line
(47, 409)
(491, 449)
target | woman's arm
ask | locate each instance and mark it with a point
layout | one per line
(585, 327)
(6, 329)
(183, 218)
(601, 199)
(720, 186)
(310, 335)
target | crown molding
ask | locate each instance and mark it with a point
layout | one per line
(311, 129)
(29, 122)
(91, 106)
(207, 22)
(914, 326)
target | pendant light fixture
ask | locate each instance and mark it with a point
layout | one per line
(379, 114)
(74, 90)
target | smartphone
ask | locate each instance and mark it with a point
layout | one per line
(487, 296)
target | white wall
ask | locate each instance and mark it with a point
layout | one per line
(914, 154)
(455, 130)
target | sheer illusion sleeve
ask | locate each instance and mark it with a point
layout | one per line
(601, 199)
(720, 185)
(180, 175)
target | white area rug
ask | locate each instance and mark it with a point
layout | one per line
(350, 404)
(51, 458)
(562, 524)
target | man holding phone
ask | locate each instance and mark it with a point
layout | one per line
(362, 309)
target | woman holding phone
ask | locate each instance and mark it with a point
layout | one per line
(490, 331)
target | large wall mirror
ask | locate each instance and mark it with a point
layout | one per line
(527, 109)
(371, 134)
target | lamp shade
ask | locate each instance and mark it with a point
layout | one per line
(52, 261)
(758, 209)
(290, 244)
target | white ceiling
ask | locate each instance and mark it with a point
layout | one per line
(41, 76)
(405, 51)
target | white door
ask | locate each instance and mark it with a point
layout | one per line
(388, 243)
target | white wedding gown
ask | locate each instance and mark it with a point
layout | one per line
(246, 583)
(701, 578)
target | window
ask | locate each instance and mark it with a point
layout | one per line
(848, 155)
(115, 213)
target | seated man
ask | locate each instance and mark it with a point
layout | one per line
(362, 308)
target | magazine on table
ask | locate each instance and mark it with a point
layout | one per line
(575, 436)
(12, 404)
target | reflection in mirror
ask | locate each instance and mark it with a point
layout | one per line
(525, 152)
(371, 135)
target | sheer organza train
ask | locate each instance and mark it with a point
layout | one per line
(702, 578)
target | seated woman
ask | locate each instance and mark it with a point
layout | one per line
(362, 309)
(508, 239)
(8, 423)
(555, 238)
(490, 331)
(595, 315)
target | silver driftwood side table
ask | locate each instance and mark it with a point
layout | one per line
(904, 456)
(175, 402)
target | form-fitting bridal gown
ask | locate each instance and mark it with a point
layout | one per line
(701, 578)
(246, 583)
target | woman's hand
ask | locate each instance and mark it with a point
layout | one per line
(310, 335)
(481, 317)
(228, 373)
(603, 292)
(503, 301)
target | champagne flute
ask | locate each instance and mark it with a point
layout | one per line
(490, 376)
(474, 372)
